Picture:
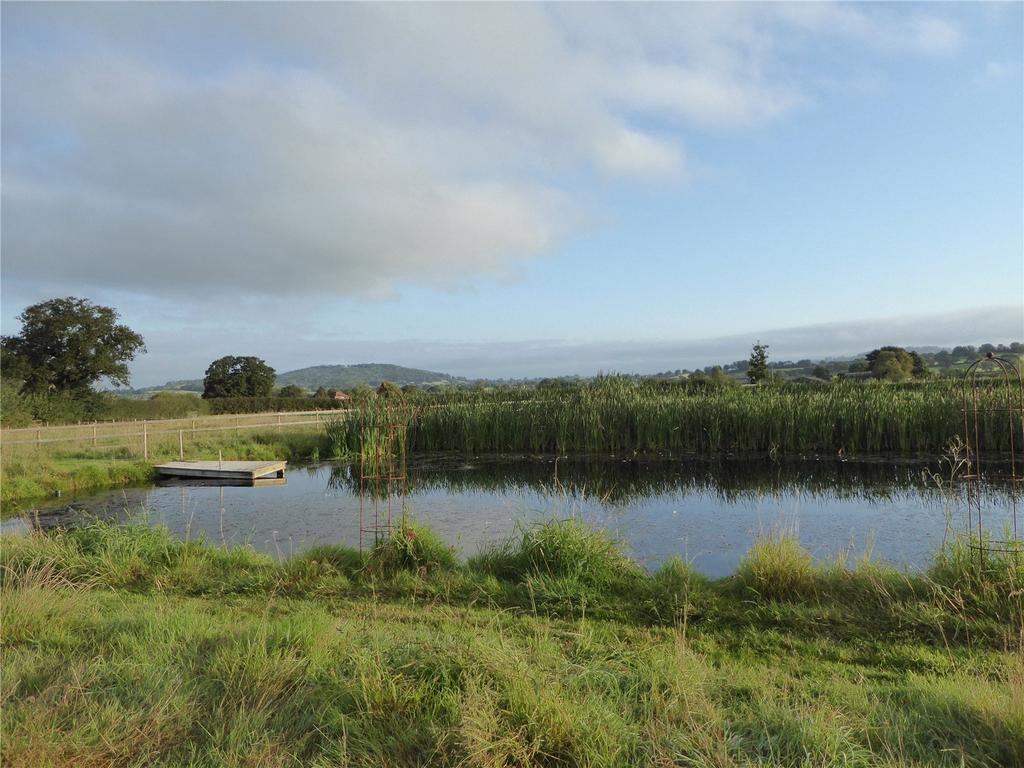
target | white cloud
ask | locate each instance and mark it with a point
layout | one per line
(344, 149)
(996, 72)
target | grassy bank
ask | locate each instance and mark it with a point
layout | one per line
(27, 475)
(627, 416)
(122, 646)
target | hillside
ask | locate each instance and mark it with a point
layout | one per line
(330, 376)
(372, 374)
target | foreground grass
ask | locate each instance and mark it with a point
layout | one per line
(27, 475)
(122, 646)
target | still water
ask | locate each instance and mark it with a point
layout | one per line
(708, 513)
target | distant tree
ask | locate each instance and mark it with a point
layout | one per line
(987, 348)
(67, 345)
(857, 366)
(821, 372)
(291, 390)
(321, 392)
(361, 393)
(238, 377)
(1016, 347)
(389, 389)
(757, 367)
(964, 352)
(896, 364)
(719, 378)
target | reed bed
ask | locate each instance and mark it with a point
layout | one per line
(620, 415)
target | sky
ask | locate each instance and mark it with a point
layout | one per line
(516, 189)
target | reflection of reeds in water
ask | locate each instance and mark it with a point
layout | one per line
(621, 482)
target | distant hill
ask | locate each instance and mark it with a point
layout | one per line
(329, 376)
(371, 374)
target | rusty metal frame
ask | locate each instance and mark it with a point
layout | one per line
(384, 475)
(1012, 404)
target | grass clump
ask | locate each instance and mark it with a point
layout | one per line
(410, 547)
(565, 549)
(985, 580)
(777, 568)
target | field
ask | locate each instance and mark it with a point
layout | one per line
(124, 647)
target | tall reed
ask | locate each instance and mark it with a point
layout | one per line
(620, 415)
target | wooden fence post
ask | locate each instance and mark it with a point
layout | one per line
(94, 435)
(279, 422)
(145, 442)
(181, 444)
(39, 437)
(193, 429)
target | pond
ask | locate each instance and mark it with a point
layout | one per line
(706, 512)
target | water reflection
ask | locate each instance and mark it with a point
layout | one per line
(706, 511)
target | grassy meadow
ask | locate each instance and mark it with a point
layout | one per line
(122, 646)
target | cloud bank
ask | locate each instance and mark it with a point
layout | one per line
(185, 354)
(349, 149)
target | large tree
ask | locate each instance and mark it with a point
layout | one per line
(896, 364)
(238, 377)
(67, 345)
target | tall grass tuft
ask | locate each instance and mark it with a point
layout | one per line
(777, 568)
(413, 548)
(561, 549)
(975, 579)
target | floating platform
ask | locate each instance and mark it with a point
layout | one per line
(170, 481)
(237, 471)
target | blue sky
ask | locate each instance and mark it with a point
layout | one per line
(517, 190)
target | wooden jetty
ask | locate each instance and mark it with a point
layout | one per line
(245, 471)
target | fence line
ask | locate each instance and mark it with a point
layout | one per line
(130, 422)
(189, 426)
(145, 433)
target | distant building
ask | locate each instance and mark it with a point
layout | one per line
(339, 395)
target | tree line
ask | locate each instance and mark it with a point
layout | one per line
(68, 345)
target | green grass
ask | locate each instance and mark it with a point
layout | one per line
(123, 646)
(30, 474)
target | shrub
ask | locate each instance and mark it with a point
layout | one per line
(220, 405)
